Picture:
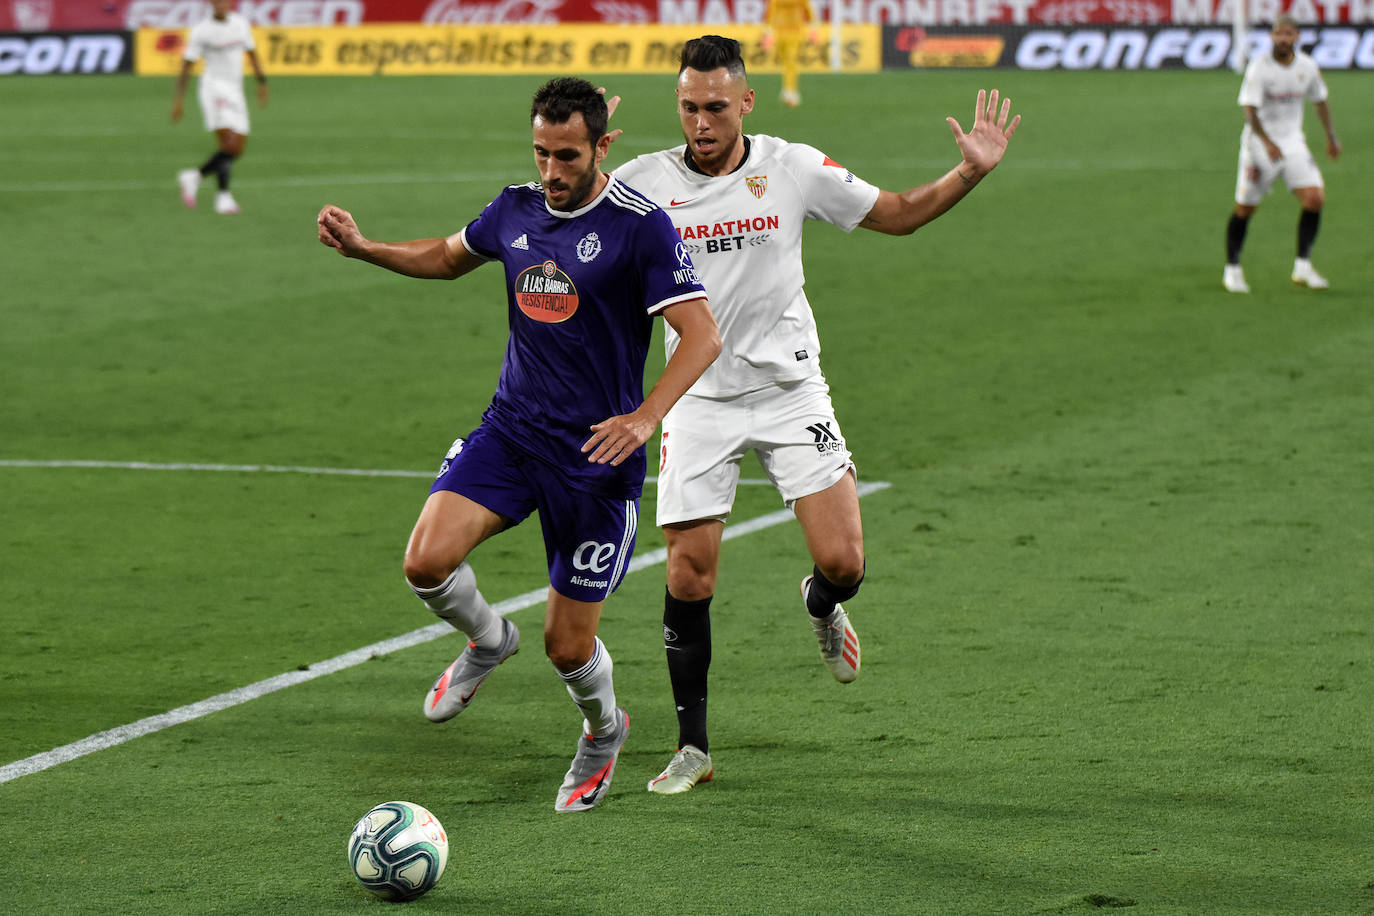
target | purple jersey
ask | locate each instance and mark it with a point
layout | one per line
(582, 289)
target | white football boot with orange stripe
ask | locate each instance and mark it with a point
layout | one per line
(689, 766)
(455, 688)
(589, 777)
(839, 642)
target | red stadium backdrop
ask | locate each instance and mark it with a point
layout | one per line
(58, 15)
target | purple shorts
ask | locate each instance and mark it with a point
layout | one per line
(588, 539)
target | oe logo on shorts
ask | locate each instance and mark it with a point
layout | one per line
(593, 556)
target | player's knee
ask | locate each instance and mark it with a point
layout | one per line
(691, 582)
(843, 567)
(565, 654)
(427, 570)
(690, 578)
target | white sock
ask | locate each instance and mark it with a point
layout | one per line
(592, 690)
(461, 605)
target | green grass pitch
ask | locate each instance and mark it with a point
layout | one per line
(1117, 632)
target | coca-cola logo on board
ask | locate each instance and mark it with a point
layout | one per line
(467, 12)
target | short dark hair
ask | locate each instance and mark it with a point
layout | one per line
(559, 99)
(711, 52)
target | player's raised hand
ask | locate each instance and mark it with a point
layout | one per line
(615, 439)
(338, 230)
(984, 145)
(611, 105)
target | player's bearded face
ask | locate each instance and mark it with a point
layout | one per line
(712, 106)
(568, 163)
(1284, 38)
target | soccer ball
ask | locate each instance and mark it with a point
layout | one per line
(398, 850)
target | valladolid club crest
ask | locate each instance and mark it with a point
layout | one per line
(588, 248)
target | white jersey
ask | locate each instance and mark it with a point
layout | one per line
(1278, 92)
(744, 232)
(222, 44)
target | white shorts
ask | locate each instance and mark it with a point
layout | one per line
(790, 426)
(1256, 173)
(224, 107)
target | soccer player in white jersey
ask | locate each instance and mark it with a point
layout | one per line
(739, 203)
(588, 264)
(1272, 145)
(221, 40)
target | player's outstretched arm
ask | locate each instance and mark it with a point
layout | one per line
(615, 439)
(427, 259)
(982, 148)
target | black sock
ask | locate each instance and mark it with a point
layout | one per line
(219, 164)
(1235, 237)
(823, 594)
(687, 643)
(1308, 224)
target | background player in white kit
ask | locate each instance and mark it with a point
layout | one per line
(739, 203)
(1272, 145)
(221, 39)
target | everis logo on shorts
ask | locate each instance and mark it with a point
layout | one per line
(826, 440)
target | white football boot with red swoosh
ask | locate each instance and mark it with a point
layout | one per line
(589, 777)
(455, 688)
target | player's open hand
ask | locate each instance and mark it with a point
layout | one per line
(611, 105)
(984, 145)
(616, 439)
(338, 230)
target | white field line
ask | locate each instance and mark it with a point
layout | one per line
(296, 181)
(168, 184)
(322, 180)
(124, 733)
(255, 469)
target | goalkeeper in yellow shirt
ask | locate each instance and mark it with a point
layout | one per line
(788, 24)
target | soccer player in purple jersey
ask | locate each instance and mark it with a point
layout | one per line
(588, 263)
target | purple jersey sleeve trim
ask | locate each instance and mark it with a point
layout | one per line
(685, 297)
(463, 237)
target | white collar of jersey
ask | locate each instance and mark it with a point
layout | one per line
(573, 214)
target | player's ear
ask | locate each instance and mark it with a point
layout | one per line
(603, 147)
(746, 102)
